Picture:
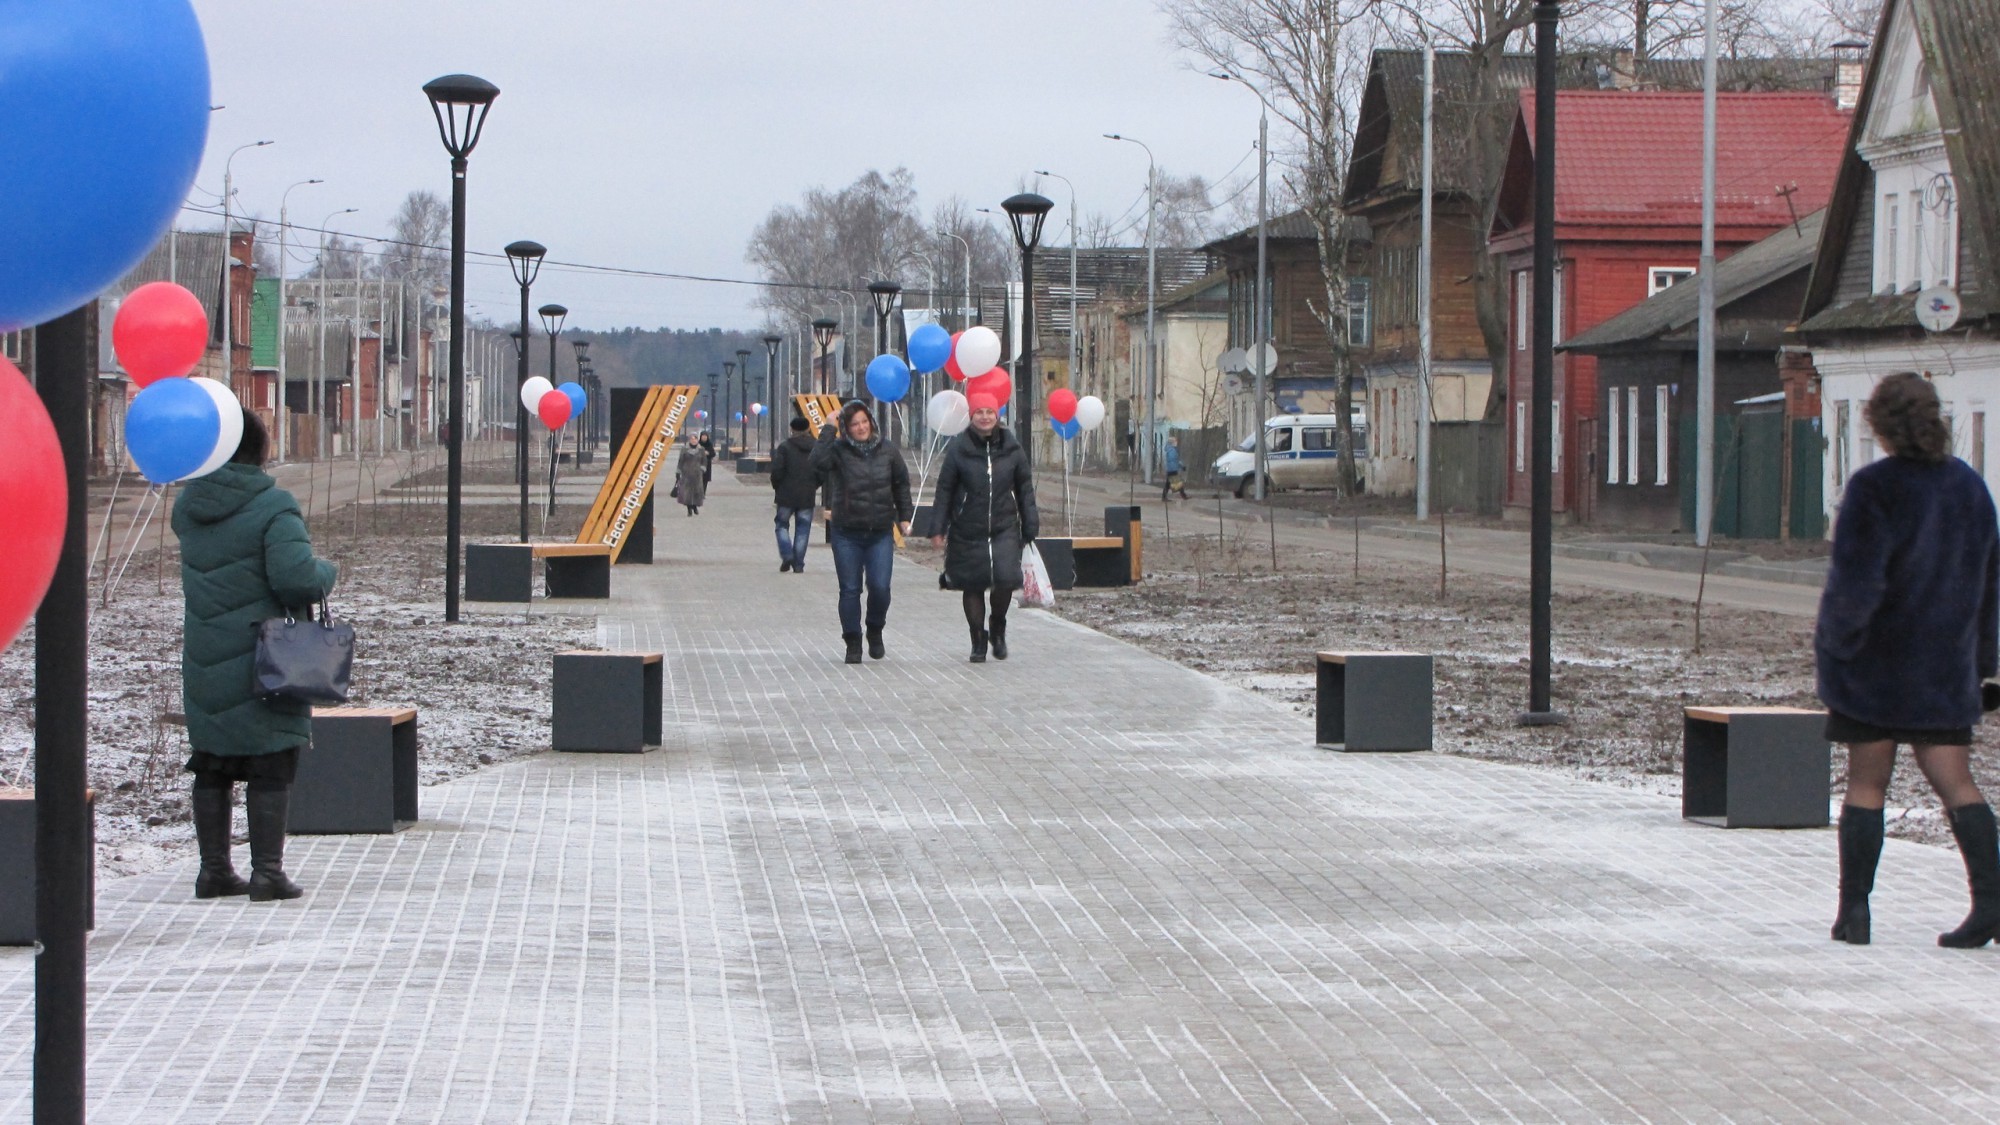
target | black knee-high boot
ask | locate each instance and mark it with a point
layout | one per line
(996, 629)
(1860, 850)
(1979, 843)
(269, 807)
(217, 877)
(974, 602)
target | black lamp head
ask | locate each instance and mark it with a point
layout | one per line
(1027, 211)
(582, 350)
(460, 103)
(552, 318)
(771, 345)
(526, 258)
(823, 330)
(884, 293)
(728, 368)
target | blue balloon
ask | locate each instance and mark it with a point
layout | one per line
(577, 399)
(930, 348)
(170, 429)
(1066, 430)
(888, 378)
(103, 117)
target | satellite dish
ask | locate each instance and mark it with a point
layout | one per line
(1235, 359)
(1938, 308)
(1264, 360)
(1233, 382)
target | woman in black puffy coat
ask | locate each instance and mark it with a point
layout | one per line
(986, 511)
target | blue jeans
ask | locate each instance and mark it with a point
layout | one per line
(862, 558)
(795, 526)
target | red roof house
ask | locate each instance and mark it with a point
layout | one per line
(1628, 224)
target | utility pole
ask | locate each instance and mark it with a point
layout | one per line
(1704, 402)
(284, 265)
(1424, 297)
(229, 269)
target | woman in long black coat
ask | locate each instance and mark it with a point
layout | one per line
(1907, 629)
(986, 510)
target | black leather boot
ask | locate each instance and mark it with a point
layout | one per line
(853, 647)
(978, 645)
(876, 650)
(217, 877)
(1979, 843)
(996, 631)
(1860, 850)
(268, 809)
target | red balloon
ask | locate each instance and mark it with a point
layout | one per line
(160, 332)
(1062, 404)
(995, 383)
(951, 365)
(34, 496)
(554, 409)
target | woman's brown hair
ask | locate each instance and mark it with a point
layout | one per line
(1905, 415)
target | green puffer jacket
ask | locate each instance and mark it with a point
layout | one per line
(244, 558)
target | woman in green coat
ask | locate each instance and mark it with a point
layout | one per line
(244, 558)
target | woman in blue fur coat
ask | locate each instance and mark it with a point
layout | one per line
(1907, 629)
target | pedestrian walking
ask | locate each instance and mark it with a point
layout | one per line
(691, 480)
(245, 558)
(986, 508)
(707, 457)
(868, 490)
(1907, 630)
(1175, 482)
(794, 486)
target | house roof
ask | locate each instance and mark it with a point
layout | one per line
(1106, 273)
(1206, 294)
(1633, 158)
(189, 258)
(1789, 251)
(1956, 37)
(1292, 225)
(1391, 116)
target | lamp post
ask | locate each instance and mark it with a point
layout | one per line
(712, 379)
(526, 259)
(460, 103)
(1027, 211)
(771, 342)
(722, 418)
(322, 445)
(552, 323)
(284, 205)
(883, 295)
(964, 317)
(1075, 354)
(1152, 295)
(229, 267)
(823, 330)
(1542, 406)
(743, 404)
(1260, 331)
(583, 434)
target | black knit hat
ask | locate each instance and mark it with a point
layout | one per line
(799, 425)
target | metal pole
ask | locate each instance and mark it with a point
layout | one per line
(1424, 297)
(521, 412)
(1262, 334)
(454, 473)
(62, 731)
(1541, 409)
(228, 276)
(1152, 294)
(1028, 384)
(1704, 403)
(555, 439)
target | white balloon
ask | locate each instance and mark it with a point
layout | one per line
(978, 351)
(948, 413)
(1090, 412)
(229, 435)
(757, 409)
(532, 392)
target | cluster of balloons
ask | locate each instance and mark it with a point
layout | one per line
(1070, 415)
(554, 405)
(177, 428)
(971, 358)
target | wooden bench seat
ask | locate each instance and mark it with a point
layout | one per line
(505, 572)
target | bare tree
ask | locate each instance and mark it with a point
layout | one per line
(1309, 58)
(417, 238)
(992, 252)
(834, 242)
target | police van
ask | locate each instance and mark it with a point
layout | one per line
(1302, 450)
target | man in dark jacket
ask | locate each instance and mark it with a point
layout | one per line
(868, 490)
(794, 485)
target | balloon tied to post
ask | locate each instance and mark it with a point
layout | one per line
(554, 405)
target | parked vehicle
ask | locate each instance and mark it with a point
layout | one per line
(1303, 451)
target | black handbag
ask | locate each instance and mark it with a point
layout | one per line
(304, 661)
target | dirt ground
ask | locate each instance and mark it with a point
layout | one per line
(1624, 664)
(481, 687)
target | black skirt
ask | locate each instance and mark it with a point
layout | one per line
(1846, 728)
(281, 767)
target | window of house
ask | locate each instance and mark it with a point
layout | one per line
(1318, 439)
(1395, 421)
(1520, 437)
(1919, 263)
(1976, 448)
(1662, 432)
(1612, 432)
(1632, 435)
(1892, 218)
(1659, 279)
(1843, 418)
(1556, 328)
(1523, 299)
(1867, 441)
(1556, 437)
(10, 346)
(1358, 312)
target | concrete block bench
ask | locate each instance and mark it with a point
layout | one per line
(607, 702)
(749, 465)
(1373, 700)
(359, 776)
(1085, 560)
(1122, 522)
(17, 866)
(1755, 767)
(505, 572)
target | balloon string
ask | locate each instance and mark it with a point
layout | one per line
(104, 528)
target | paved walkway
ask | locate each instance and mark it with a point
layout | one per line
(1084, 884)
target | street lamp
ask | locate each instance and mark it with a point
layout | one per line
(883, 295)
(460, 103)
(1075, 344)
(823, 330)
(552, 323)
(1027, 211)
(771, 342)
(965, 318)
(229, 267)
(282, 408)
(743, 398)
(1542, 388)
(526, 259)
(584, 435)
(1260, 329)
(713, 379)
(323, 441)
(722, 419)
(1152, 294)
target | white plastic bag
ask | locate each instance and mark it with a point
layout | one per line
(1036, 590)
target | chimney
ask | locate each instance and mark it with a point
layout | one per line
(1624, 70)
(1847, 84)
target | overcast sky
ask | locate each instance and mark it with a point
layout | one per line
(655, 134)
